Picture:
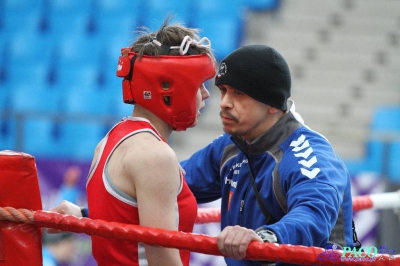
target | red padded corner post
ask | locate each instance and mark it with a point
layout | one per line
(20, 243)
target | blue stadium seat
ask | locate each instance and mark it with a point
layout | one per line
(224, 32)
(68, 24)
(79, 138)
(386, 118)
(31, 48)
(61, 7)
(263, 5)
(7, 124)
(28, 73)
(21, 16)
(218, 8)
(23, 6)
(3, 45)
(108, 71)
(39, 137)
(156, 11)
(76, 49)
(29, 99)
(383, 148)
(386, 127)
(7, 133)
(21, 23)
(112, 49)
(4, 55)
(118, 107)
(68, 17)
(82, 75)
(394, 161)
(108, 27)
(4, 96)
(118, 8)
(222, 22)
(116, 18)
(86, 102)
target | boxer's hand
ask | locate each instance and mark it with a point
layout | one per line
(234, 240)
(65, 207)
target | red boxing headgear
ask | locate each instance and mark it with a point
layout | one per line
(165, 85)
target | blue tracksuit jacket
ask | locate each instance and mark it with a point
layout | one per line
(309, 178)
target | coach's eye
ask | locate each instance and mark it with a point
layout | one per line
(238, 93)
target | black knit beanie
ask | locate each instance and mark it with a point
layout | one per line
(260, 72)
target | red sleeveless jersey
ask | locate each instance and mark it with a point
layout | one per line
(107, 202)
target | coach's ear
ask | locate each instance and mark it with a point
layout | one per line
(273, 110)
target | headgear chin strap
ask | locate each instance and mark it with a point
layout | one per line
(165, 85)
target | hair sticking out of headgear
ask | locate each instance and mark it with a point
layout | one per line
(156, 42)
(187, 42)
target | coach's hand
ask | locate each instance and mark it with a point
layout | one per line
(234, 240)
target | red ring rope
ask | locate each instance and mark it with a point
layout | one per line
(174, 239)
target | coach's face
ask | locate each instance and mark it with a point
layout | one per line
(241, 114)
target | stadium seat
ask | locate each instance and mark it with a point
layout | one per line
(222, 22)
(386, 129)
(156, 11)
(7, 133)
(68, 17)
(39, 137)
(7, 125)
(262, 5)
(383, 147)
(116, 17)
(108, 71)
(23, 6)
(28, 73)
(31, 48)
(117, 8)
(119, 109)
(81, 75)
(67, 24)
(110, 27)
(387, 119)
(30, 99)
(76, 48)
(21, 23)
(86, 102)
(218, 8)
(393, 163)
(3, 56)
(21, 16)
(224, 32)
(78, 138)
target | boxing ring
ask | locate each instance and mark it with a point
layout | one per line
(21, 220)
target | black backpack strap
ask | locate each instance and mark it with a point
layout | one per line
(268, 217)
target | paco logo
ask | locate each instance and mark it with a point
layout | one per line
(303, 151)
(147, 95)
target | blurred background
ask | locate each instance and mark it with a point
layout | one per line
(59, 94)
